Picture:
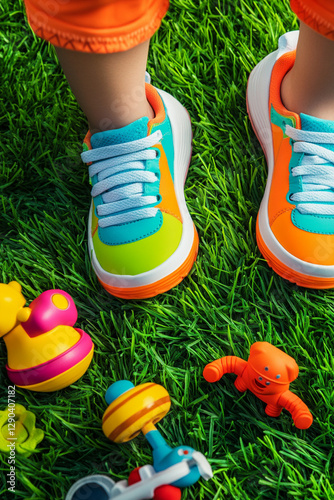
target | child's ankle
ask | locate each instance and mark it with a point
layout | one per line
(303, 99)
(124, 115)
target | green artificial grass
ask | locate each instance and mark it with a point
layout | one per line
(203, 55)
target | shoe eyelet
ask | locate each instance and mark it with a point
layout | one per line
(157, 153)
(284, 124)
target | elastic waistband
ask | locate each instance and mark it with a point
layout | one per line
(317, 14)
(97, 26)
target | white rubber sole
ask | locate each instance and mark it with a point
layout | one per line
(182, 138)
(258, 109)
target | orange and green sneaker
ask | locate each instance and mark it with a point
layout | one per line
(295, 224)
(141, 238)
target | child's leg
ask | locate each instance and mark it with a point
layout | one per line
(308, 87)
(102, 46)
(110, 88)
(295, 225)
(141, 238)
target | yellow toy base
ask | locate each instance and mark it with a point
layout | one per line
(64, 379)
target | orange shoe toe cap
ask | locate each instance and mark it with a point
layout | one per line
(308, 247)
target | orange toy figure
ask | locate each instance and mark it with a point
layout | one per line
(267, 374)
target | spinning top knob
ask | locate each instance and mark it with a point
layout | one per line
(50, 309)
(133, 409)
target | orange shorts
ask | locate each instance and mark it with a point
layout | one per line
(99, 26)
(103, 26)
(318, 14)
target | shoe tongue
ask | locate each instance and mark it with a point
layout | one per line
(312, 124)
(132, 132)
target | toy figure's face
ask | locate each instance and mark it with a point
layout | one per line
(269, 370)
(261, 382)
(11, 301)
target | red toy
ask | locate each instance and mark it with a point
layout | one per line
(165, 492)
(267, 374)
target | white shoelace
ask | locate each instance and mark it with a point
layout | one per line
(121, 174)
(316, 169)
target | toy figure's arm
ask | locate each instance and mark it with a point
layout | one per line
(229, 364)
(301, 415)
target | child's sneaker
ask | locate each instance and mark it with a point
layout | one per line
(295, 224)
(141, 238)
